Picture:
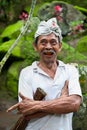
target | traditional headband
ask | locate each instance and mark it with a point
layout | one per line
(48, 27)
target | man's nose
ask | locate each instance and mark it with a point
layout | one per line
(48, 45)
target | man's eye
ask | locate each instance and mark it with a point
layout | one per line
(53, 42)
(43, 42)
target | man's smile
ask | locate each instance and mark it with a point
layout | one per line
(48, 52)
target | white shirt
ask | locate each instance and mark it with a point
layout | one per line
(33, 77)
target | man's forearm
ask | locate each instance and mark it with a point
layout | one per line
(61, 105)
(36, 115)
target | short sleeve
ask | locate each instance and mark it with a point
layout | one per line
(74, 84)
(25, 83)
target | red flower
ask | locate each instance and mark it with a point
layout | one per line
(23, 15)
(58, 8)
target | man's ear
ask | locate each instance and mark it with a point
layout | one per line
(35, 46)
(60, 46)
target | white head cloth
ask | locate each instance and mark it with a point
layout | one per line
(51, 26)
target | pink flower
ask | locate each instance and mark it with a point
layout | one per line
(79, 27)
(23, 15)
(57, 8)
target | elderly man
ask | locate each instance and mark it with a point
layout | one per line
(55, 111)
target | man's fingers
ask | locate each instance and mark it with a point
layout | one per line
(13, 107)
(22, 96)
(16, 105)
(65, 89)
(66, 83)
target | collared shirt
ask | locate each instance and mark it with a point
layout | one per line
(33, 77)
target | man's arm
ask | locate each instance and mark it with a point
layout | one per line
(62, 105)
(18, 105)
(41, 114)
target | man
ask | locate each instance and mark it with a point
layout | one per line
(55, 111)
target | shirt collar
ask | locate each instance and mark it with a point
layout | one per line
(36, 68)
(61, 64)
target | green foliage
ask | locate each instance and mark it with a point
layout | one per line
(38, 5)
(83, 10)
(6, 45)
(12, 84)
(83, 78)
(33, 24)
(82, 45)
(27, 49)
(82, 70)
(15, 28)
(74, 23)
(69, 54)
(9, 30)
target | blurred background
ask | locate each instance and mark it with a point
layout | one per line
(72, 18)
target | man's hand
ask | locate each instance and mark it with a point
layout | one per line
(16, 105)
(26, 106)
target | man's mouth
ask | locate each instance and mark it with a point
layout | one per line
(49, 53)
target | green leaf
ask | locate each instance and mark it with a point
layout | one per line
(83, 10)
(6, 45)
(12, 29)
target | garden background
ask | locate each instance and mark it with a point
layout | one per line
(72, 18)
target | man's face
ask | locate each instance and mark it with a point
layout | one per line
(48, 47)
